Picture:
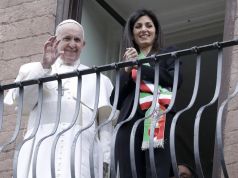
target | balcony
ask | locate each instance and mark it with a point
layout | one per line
(200, 131)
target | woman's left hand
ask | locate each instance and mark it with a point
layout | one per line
(130, 54)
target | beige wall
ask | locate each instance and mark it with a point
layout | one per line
(231, 127)
(24, 27)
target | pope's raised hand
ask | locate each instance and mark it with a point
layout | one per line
(50, 52)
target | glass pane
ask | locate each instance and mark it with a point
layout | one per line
(102, 33)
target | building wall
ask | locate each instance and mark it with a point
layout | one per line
(24, 27)
(231, 122)
(26, 24)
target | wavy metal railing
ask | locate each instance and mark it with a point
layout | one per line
(93, 119)
(134, 128)
(108, 121)
(18, 119)
(119, 125)
(53, 130)
(153, 125)
(219, 131)
(200, 111)
(97, 70)
(176, 117)
(33, 134)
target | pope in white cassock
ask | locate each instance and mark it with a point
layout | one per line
(61, 55)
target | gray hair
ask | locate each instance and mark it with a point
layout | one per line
(68, 21)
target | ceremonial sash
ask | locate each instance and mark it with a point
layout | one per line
(145, 101)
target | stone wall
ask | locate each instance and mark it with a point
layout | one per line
(24, 27)
(231, 126)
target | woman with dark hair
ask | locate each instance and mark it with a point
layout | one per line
(128, 38)
(142, 38)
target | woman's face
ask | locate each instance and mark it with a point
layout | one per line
(71, 44)
(144, 32)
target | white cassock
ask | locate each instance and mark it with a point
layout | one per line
(48, 120)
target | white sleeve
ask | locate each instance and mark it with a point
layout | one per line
(106, 88)
(103, 114)
(105, 133)
(27, 72)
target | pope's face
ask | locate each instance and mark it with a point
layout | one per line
(71, 42)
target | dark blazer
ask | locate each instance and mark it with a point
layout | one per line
(125, 104)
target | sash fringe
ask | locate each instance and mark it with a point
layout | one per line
(157, 144)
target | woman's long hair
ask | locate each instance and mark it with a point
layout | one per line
(128, 31)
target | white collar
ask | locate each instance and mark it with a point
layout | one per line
(59, 62)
